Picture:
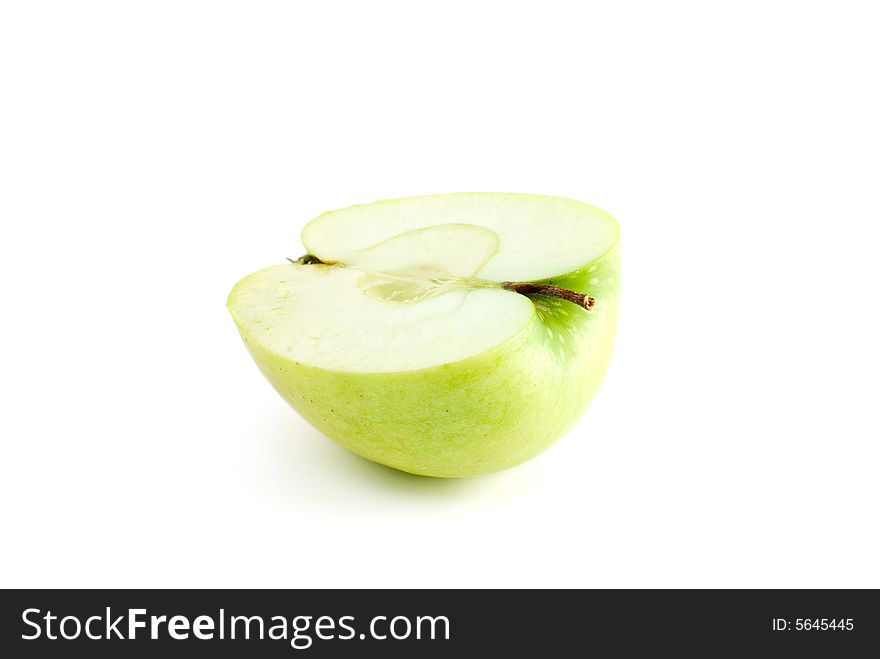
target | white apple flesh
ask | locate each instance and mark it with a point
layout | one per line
(402, 339)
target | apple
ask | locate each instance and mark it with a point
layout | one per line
(443, 335)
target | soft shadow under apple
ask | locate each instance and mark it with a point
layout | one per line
(304, 463)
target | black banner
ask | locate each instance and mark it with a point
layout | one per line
(436, 623)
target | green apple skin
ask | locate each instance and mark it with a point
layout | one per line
(475, 416)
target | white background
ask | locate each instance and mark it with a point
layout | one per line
(153, 154)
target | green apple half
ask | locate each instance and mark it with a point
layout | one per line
(443, 335)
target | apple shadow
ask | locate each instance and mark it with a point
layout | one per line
(307, 463)
(375, 473)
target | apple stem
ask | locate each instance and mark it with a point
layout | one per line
(581, 299)
(307, 259)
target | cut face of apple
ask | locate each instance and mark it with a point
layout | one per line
(406, 336)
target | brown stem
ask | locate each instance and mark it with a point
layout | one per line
(524, 288)
(307, 259)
